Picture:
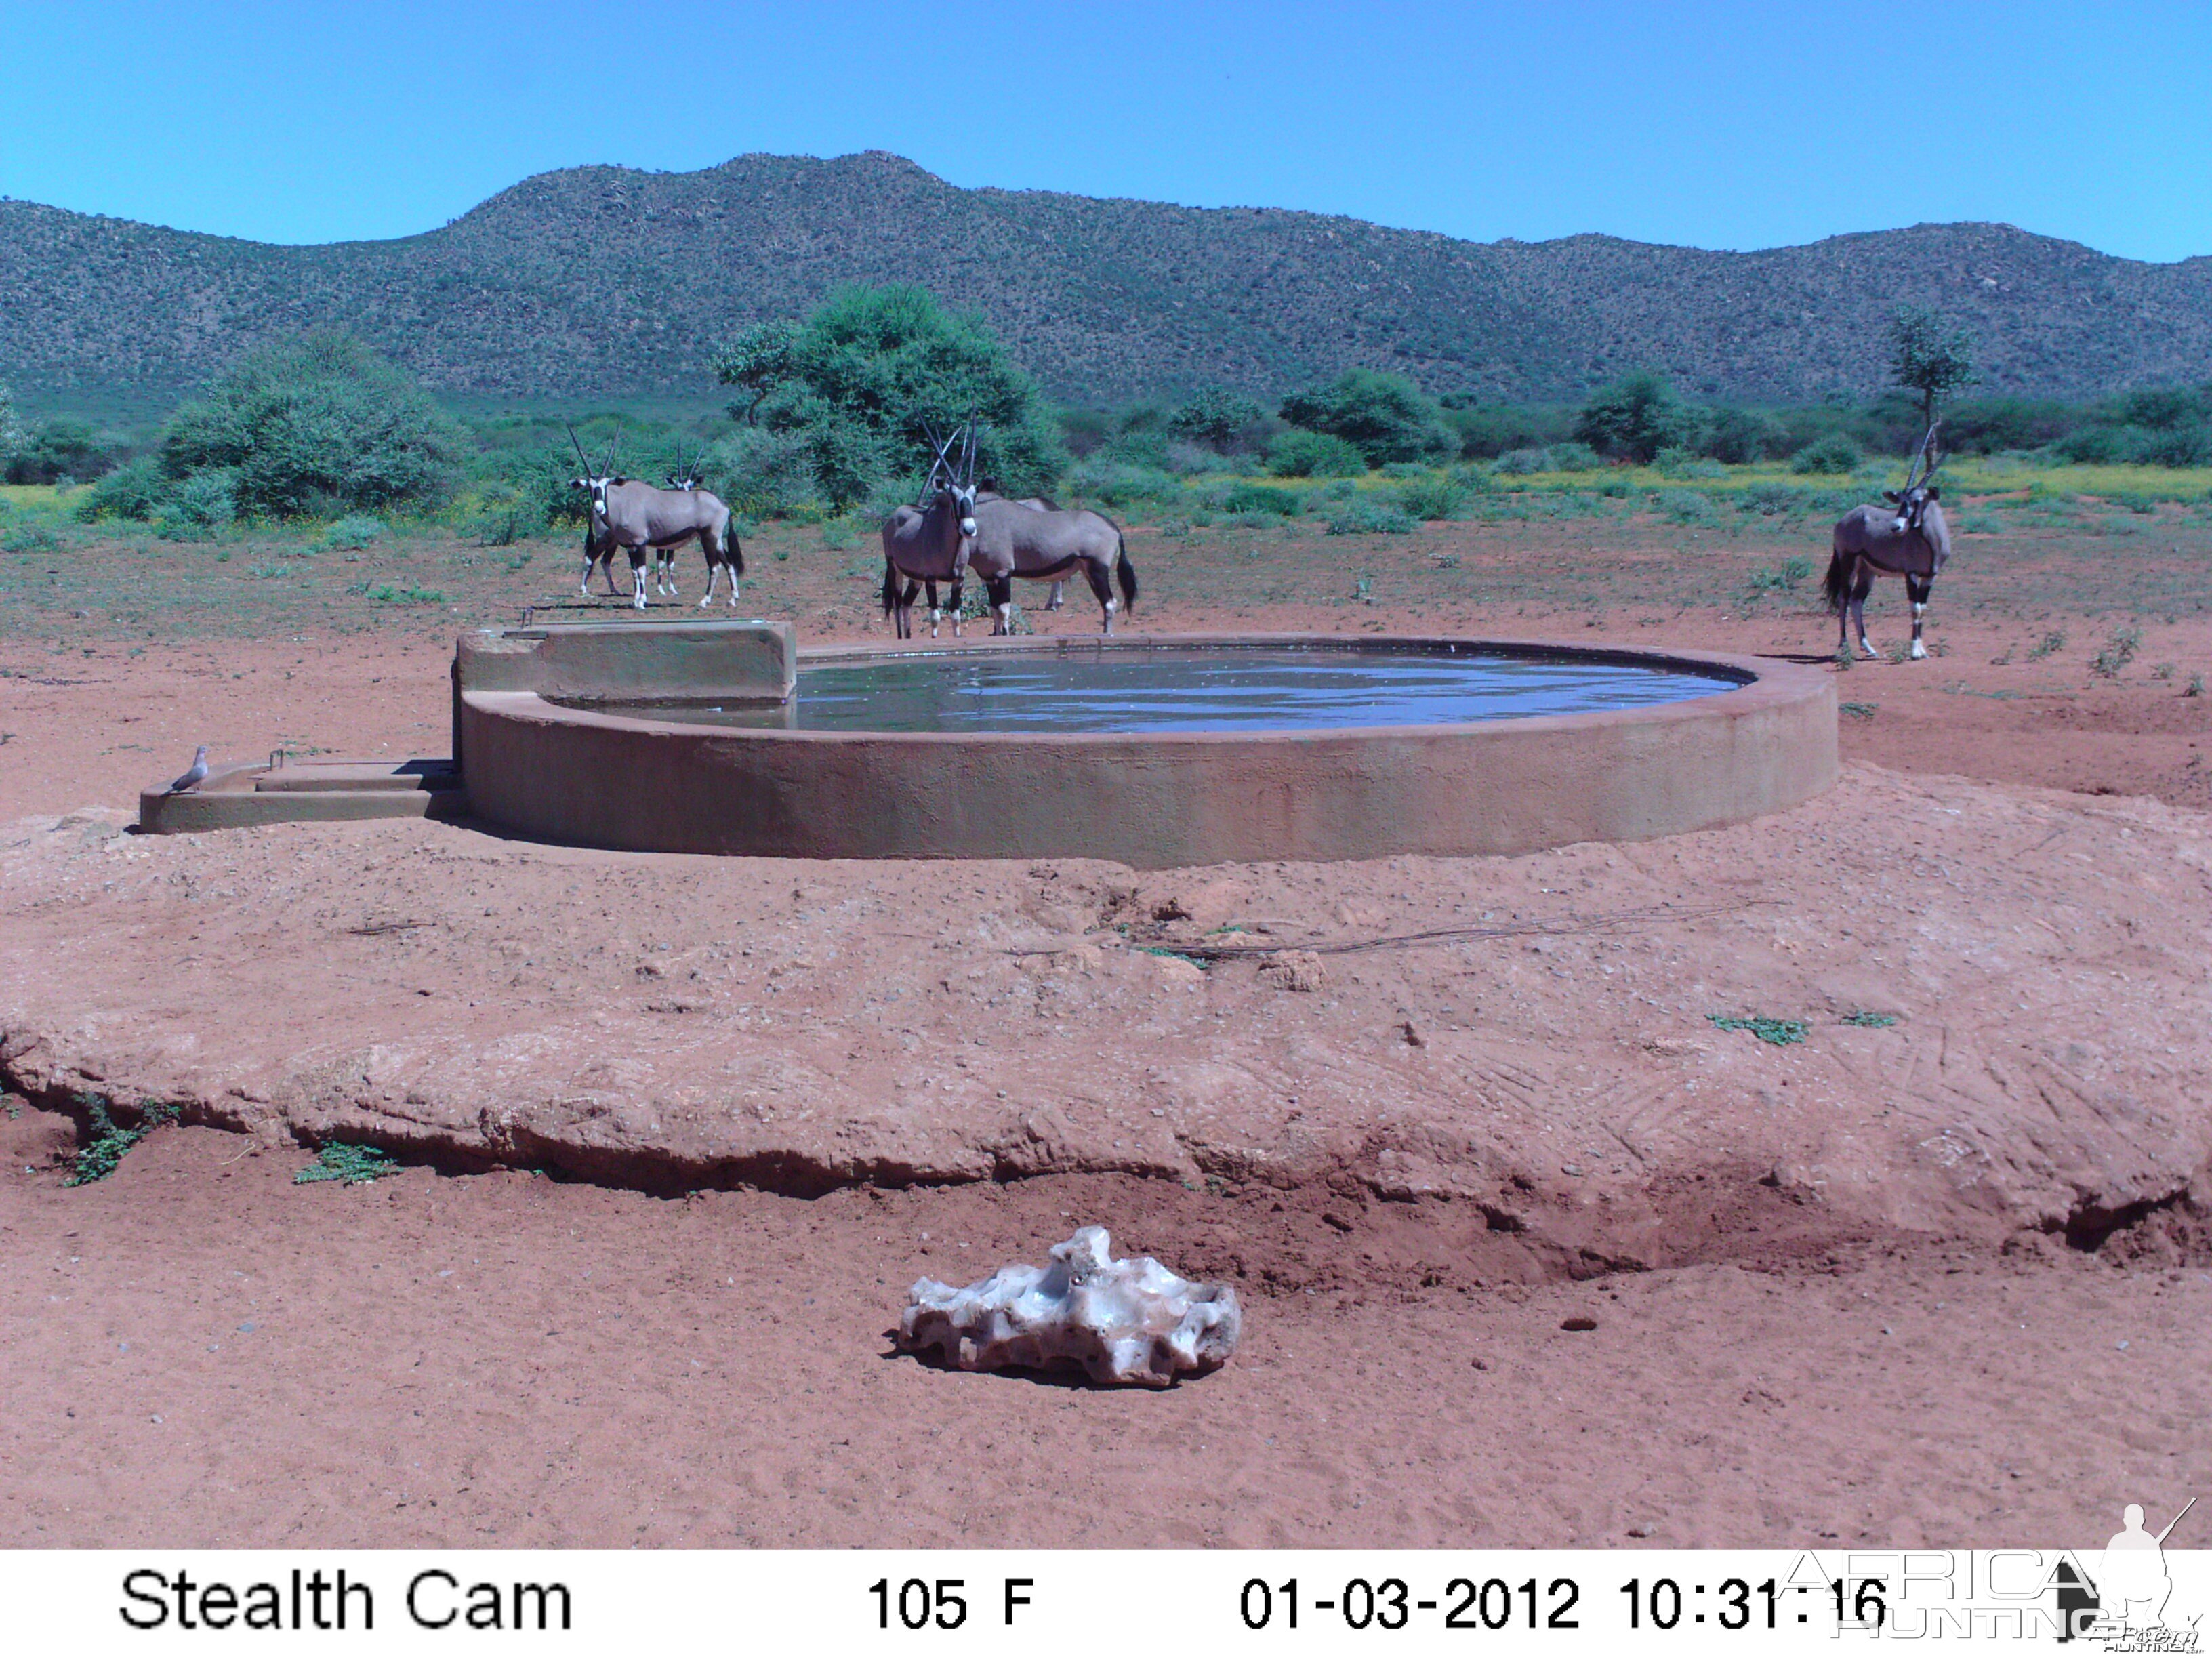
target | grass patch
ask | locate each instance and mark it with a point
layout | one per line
(1779, 579)
(1869, 1022)
(2054, 641)
(354, 1165)
(1857, 711)
(1779, 1032)
(414, 593)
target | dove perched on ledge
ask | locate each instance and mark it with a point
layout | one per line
(194, 775)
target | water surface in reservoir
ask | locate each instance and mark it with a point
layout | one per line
(1191, 689)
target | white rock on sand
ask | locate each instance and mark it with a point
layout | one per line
(1122, 1322)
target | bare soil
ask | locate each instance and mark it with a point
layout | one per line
(1870, 1285)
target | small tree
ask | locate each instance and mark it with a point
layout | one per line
(756, 362)
(1928, 358)
(1215, 416)
(860, 380)
(1635, 417)
(1386, 416)
(11, 430)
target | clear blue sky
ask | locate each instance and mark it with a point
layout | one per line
(1720, 125)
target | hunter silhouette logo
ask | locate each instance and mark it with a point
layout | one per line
(2123, 1606)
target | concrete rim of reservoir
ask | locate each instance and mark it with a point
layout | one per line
(1150, 799)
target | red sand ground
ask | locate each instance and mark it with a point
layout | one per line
(202, 1353)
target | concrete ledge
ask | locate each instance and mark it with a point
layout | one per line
(1161, 801)
(305, 792)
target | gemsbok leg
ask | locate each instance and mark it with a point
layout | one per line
(1917, 589)
(1102, 587)
(1861, 584)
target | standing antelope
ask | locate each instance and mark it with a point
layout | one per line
(642, 521)
(930, 543)
(1908, 539)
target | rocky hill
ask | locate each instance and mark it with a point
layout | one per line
(609, 282)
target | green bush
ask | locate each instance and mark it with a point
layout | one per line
(1741, 436)
(356, 533)
(1371, 513)
(1216, 416)
(1258, 498)
(1430, 498)
(1112, 484)
(198, 506)
(1519, 463)
(1635, 417)
(869, 369)
(1683, 505)
(764, 474)
(313, 425)
(1677, 462)
(1301, 454)
(1487, 432)
(64, 450)
(134, 491)
(1768, 498)
(1385, 417)
(1836, 452)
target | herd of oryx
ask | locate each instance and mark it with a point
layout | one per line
(957, 526)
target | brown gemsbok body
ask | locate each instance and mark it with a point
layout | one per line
(1909, 538)
(930, 543)
(1015, 540)
(644, 521)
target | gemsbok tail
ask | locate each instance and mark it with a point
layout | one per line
(1126, 572)
(890, 588)
(1837, 584)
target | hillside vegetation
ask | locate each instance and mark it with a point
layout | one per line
(603, 281)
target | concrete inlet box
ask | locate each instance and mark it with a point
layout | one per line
(585, 663)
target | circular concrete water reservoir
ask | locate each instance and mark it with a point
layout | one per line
(1154, 752)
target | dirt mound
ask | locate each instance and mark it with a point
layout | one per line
(1990, 1008)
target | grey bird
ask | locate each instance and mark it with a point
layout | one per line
(194, 775)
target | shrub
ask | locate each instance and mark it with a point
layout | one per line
(315, 424)
(1635, 417)
(1369, 514)
(869, 369)
(1112, 483)
(1683, 505)
(1385, 417)
(1572, 455)
(763, 474)
(62, 452)
(1768, 498)
(1485, 432)
(1301, 454)
(1741, 436)
(1216, 416)
(1677, 462)
(1246, 498)
(199, 506)
(134, 491)
(1519, 463)
(1430, 498)
(1836, 452)
(357, 531)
